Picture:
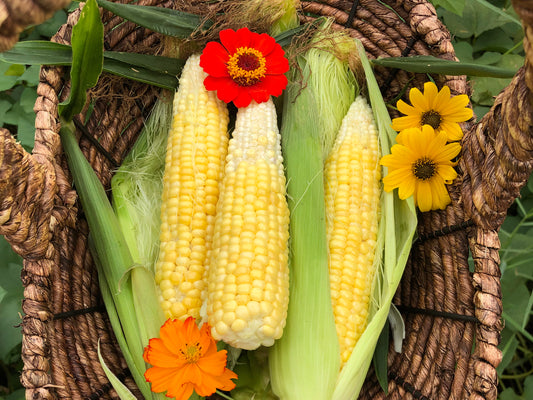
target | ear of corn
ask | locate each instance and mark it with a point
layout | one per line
(352, 181)
(304, 363)
(196, 149)
(248, 273)
(397, 226)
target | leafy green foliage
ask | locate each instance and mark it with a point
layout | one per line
(87, 59)
(485, 33)
(10, 312)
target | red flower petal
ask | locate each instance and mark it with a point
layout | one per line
(276, 63)
(264, 43)
(243, 99)
(226, 89)
(275, 83)
(269, 80)
(213, 60)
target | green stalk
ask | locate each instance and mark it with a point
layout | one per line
(304, 363)
(110, 246)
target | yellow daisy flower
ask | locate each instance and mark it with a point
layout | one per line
(421, 166)
(434, 108)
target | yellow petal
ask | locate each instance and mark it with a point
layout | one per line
(423, 196)
(401, 123)
(453, 130)
(441, 99)
(407, 188)
(430, 94)
(418, 100)
(446, 172)
(405, 108)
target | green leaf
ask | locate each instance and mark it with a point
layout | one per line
(38, 52)
(454, 6)
(140, 74)
(167, 65)
(87, 58)
(6, 81)
(463, 51)
(154, 70)
(434, 65)
(31, 76)
(493, 40)
(508, 346)
(19, 394)
(121, 389)
(380, 358)
(10, 306)
(478, 16)
(485, 88)
(162, 20)
(15, 70)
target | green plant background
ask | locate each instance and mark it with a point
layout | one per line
(485, 32)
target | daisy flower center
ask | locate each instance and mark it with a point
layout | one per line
(432, 118)
(192, 352)
(247, 66)
(424, 168)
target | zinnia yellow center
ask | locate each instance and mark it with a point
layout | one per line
(247, 66)
(192, 352)
(424, 168)
(432, 118)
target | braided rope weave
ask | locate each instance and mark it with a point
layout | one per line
(446, 307)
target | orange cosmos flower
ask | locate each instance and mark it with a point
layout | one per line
(245, 66)
(184, 359)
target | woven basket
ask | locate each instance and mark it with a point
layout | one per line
(452, 315)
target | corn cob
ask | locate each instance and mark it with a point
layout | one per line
(352, 178)
(196, 150)
(248, 282)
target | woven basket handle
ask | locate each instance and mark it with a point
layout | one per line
(498, 156)
(25, 199)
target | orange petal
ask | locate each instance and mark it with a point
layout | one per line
(213, 364)
(182, 392)
(158, 355)
(210, 383)
(160, 378)
(206, 342)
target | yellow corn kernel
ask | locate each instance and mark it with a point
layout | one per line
(352, 179)
(196, 150)
(248, 276)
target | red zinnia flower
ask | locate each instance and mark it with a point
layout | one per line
(184, 359)
(246, 66)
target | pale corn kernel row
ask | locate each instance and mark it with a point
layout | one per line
(196, 150)
(248, 277)
(352, 179)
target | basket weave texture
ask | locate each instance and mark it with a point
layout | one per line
(452, 314)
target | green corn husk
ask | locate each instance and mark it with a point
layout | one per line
(304, 363)
(396, 231)
(124, 238)
(136, 195)
(111, 250)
